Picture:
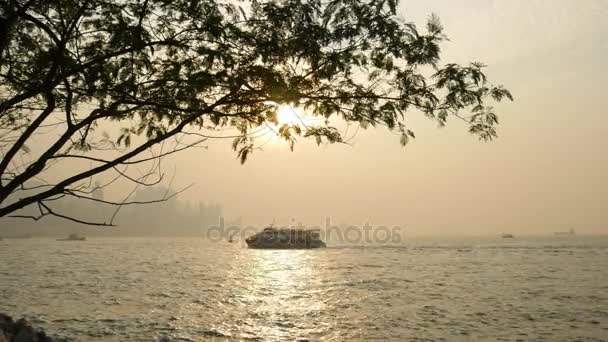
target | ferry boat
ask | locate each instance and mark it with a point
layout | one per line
(284, 238)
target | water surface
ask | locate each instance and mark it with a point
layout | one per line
(136, 289)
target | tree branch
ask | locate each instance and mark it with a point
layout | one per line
(23, 138)
(60, 187)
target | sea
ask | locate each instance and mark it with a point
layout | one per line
(552, 288)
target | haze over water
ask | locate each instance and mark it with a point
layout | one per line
(468, 289)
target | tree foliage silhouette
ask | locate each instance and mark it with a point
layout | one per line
(160, 68)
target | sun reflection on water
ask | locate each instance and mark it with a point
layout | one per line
(280, 284)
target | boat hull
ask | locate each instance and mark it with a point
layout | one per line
(272, 238)
(279, 245)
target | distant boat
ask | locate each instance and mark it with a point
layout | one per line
(73, 237)
(570, 232)
(508, 236)
(230, 238)
(274, 238)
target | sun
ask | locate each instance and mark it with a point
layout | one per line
(287, 115)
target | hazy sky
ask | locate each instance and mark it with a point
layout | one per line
(547, 171)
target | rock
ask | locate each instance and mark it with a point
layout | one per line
(6, 324)
(24, 332)
(163, 338)
(20, 331)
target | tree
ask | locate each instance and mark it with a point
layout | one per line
(165, 69)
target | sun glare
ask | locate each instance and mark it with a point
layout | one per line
(292, 116)
(287, 115)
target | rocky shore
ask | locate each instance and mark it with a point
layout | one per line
(20, 331)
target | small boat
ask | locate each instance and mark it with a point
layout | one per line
(508, 236)
(230, 239)
(73, 237)
(274, 238)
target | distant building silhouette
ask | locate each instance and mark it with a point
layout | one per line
(173, 217)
